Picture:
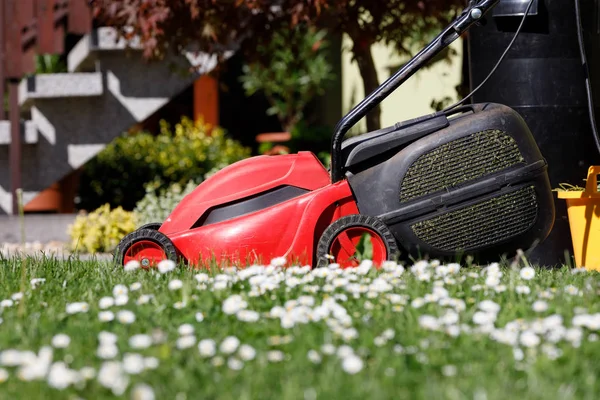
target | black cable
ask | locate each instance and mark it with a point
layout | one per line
(458, 103)
(588, 86)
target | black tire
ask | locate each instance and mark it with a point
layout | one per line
(154, 226)
(145, 234)
(356, 220)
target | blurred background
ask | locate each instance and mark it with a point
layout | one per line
(114, 97)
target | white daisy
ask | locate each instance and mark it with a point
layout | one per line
(527, 273)
(175, 284)
(126, 317)
(166, 266)
(61, 341)
(352, 364)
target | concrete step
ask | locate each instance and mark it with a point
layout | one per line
(84, 56)
(42, 228)
(65, 85)
(29, 131)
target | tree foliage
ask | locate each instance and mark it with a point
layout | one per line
(218, 26)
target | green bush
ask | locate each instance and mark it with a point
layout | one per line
(189, 151)
(101, 230)
(158, 204)
(293, 72)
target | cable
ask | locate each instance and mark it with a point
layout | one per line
(588, 86)
(458, 103)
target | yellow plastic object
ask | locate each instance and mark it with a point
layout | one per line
(583, 208)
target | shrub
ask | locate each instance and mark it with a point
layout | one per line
(295, 70)
(101, 230)
(189, 151)
(157, 205)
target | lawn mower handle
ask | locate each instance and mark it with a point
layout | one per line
(470, 15)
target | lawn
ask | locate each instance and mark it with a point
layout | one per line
(90, 330)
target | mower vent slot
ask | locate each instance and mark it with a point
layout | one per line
(459, 161)
(482, 224)
(248, 205)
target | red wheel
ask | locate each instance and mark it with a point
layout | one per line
(344, 247)
(341, 238)
(146, 252)
(147, 246)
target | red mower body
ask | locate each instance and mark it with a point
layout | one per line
(257, 209)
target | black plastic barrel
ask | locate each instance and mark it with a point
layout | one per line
(590, 18)
(543, 80)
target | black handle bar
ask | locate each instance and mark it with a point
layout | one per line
(470, 15)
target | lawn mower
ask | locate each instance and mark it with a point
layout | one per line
(466, 180)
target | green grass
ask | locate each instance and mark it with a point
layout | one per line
(413, 364)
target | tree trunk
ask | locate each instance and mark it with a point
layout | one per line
(366, 65)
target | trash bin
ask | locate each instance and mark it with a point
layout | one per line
(543, 80)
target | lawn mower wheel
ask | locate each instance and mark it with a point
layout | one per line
(341, 238)
(152, 226)
(147, 246)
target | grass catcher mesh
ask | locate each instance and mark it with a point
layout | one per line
(482, 224)
(470, 157)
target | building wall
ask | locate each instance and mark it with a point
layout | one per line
(414, 97)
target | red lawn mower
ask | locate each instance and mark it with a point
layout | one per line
(466, 180)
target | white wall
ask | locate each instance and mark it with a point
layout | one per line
(414, 97)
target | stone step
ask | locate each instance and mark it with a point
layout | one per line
(29, 131)
(84, 56)
(64, 85)
(44, 228)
